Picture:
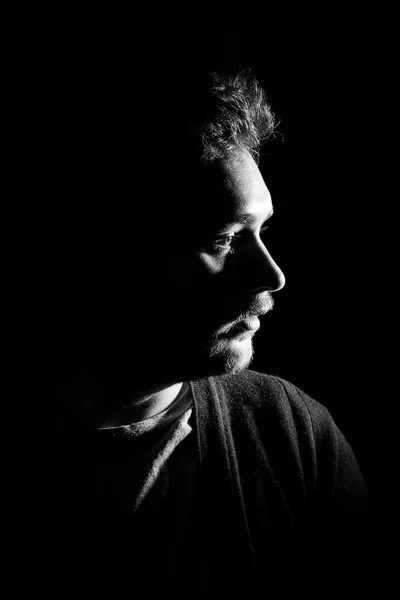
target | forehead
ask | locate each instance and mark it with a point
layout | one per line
(243, 182)
(225, 189)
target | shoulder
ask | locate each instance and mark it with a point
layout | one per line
(272, 407)
(253, 386)
(260, 392)
(275, 409)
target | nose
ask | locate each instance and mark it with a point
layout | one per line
(263, 272)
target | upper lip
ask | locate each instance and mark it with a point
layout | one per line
(249, 315)
(257, 313)
(256, 309)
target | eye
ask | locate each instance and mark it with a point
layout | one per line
(223, 242)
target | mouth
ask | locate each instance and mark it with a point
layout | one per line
(244, 322)
(252, 323)
(247, 325)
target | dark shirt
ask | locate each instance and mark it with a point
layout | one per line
(263, 494)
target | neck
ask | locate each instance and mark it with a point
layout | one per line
(84, 397)
(144, 407)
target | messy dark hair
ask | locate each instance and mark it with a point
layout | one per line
(236, 116)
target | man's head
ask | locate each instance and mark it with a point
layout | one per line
(166, 270)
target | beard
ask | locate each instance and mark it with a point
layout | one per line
(230, 355)
(216, 342)
(214, 355)
(175, 345)
(195, 357)
(229, 348)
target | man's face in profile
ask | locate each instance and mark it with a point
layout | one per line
(179, 296)
(196, 311)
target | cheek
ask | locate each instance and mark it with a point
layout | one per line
(195, 292)
(212, 267)
(191, 277)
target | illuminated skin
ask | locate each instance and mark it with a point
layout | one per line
(214, 272)
(229, 272)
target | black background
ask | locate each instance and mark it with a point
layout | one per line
(327, 75)
(330, 75)
(324, 76)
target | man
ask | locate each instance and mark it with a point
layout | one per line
(168, 463)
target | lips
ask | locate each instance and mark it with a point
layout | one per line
(251, 323)
(258, 307)
(250, 316)
(248, 325)
(226, 317)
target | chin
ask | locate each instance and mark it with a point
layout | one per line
(232, 355)
(214, 356)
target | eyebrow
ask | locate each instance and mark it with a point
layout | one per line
(246, 219)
